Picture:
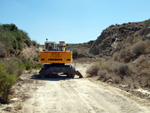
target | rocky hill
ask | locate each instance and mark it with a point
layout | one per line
(124, 51)
(117, 37)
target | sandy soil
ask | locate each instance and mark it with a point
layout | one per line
(62, 95)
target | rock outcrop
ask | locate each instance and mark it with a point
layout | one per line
(116, 37)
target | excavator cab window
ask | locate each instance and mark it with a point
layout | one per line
(50, 46)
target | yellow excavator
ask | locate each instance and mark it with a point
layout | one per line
(56, 60)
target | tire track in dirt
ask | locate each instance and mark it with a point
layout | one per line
(80, 96)
(63, 95)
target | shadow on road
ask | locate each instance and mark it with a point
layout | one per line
(53, 77)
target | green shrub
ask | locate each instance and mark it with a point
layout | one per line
(38, 65)
(36, 59)
(6, 27)
(28, 42)
(13, 27)
(20, 69)
(7, 81)
(146, 23)
(11, 66)
(9, 72)
(28, 65)
(34, 43)
(2, 50)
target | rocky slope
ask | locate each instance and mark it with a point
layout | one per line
(116, 37)
(124, 51)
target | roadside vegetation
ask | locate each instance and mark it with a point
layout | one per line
(9, 73)
(129, 67)
(13, 42)
(125, 53)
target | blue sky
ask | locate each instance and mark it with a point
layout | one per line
(72, 21)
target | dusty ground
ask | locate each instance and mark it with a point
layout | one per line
(62, 95)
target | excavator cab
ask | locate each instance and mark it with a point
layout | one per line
(50, 46)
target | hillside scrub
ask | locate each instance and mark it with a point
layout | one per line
(9, 73)
(125, 53)
(139, 48)
(13, 40)
(114, 72)
(7, 81)
(129, 66)
(13, 62)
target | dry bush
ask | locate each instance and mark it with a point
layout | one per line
(93, 70)
(102, 74)
(144, 81)
(116, 79)
(114, 67)
(114, 72)
(148, 82)
(139, 48)
(108, 76)
(147, 45)
(106, 65)
(109, 71)
(116, 56)
(118, 69)
(141, 59)
(11, 66)
(128, 81)
(14, 66)
(145, 72)
(123, 69)
(123, 56)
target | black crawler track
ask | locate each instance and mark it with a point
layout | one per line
(69, 70)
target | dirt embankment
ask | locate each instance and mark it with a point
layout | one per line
(63, 95)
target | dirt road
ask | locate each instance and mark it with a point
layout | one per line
(62, 95)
